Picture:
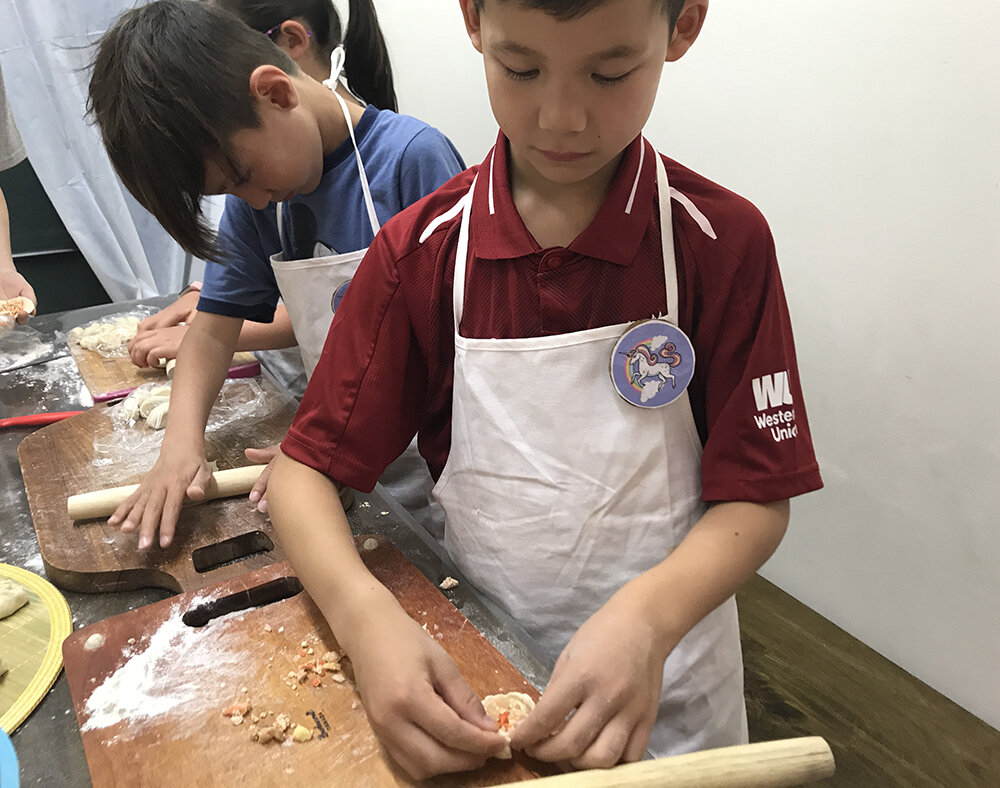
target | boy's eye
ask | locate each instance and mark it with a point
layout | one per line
(520, 76)
(600, 79)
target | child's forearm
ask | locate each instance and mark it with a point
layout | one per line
(309, 519)
(6, 257)
(268, 336)
(203, 359)
(730, 542)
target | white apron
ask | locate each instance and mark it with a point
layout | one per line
(311, 289)
(557, 492)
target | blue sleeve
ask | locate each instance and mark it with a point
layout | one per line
(243, 284)
(428, 161)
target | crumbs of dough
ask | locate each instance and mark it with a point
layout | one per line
(448, 582)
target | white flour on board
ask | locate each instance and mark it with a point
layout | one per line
(140, 690)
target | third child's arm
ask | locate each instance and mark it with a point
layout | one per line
(163, 340)
(181, 469)
(422, 710)
(611, 670)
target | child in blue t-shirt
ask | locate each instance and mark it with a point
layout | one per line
(191, 101)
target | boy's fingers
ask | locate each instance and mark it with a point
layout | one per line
(442, 723)
(199, 484)
(422, 755)
(579, 733)
(465, 703)
(260, 486)
(123, 509)
(549, 714)
(151, 518)
(168, 519)
(606, 750)
(638, 741)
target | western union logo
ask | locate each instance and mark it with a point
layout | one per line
(772, 391)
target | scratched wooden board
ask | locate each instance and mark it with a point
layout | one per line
(89, 555)
(191, 743)
(103, 375)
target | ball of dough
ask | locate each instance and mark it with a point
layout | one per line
(508, 710)
(94, 642)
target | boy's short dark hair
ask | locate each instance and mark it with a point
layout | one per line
(169, 88)
(570, 9)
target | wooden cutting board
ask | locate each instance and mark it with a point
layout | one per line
(166, 728)
(104, 375)
(60, 460)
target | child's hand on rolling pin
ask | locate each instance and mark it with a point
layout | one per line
(261, 457)
(147, 347)
(424, 713)
(609, 677)
(157, 503)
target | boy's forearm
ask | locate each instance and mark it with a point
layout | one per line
(730, 542)
(309, 519)
(268, 336)
(203, 359)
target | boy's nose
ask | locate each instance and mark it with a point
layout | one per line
(562, 113)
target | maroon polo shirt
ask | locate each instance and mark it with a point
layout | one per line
(387, 367)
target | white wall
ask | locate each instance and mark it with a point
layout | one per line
(869, 135)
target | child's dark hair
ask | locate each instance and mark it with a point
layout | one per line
(367, 67)
(169, 89)
(570, 9)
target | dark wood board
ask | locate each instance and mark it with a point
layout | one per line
(192, 744)
(60, 460)
(103, 375)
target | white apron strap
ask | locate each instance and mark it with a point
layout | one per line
(336, 67)
(667, 241)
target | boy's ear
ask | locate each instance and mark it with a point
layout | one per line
(271, 84)
(472, 26)
(687, 28)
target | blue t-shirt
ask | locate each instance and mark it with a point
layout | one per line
(404, 158)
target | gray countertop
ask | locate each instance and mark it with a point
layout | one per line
(48, 744)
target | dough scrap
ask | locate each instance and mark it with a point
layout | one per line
(12, 597)
(94, 642)
(508, 710)
(157, 417)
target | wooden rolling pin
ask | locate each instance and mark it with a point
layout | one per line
(102, 503)
(764, 765)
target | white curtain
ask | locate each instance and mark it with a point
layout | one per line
(45, 50)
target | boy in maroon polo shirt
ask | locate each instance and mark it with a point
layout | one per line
(603, 488)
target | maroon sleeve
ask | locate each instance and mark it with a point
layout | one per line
(361, 407)
(758, 446)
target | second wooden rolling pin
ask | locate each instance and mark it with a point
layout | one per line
(770, 764)
(102, 503)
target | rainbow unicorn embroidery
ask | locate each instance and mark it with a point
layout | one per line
(649, 370)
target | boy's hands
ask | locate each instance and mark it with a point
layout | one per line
(146, 348)
(157, 503)
(609, 675)
(427, 717)
(261, 457)
(159, 336)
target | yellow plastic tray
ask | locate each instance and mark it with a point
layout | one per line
(31, 646)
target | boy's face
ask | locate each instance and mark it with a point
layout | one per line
(283, 156)
(570, 95)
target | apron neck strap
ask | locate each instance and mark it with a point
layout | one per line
(336, 67)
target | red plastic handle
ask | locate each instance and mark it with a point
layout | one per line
(38, 419)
